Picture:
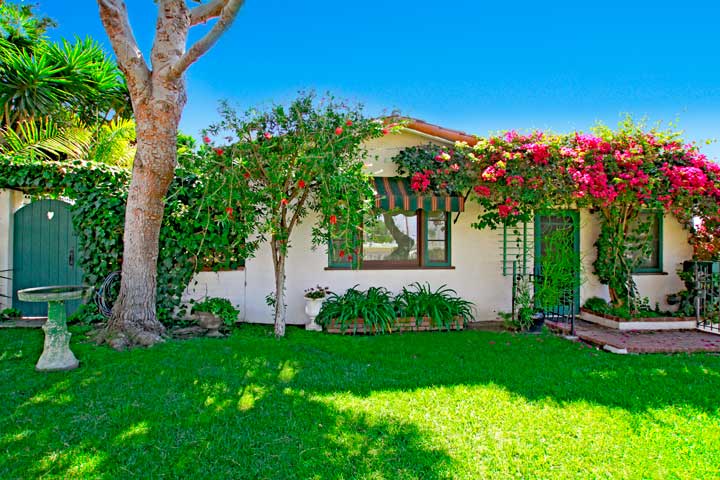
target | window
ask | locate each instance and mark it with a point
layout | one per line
(652, 260)
(400, 239)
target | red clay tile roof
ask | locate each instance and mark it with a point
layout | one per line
(436, 130)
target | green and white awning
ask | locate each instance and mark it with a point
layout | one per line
(395, 192)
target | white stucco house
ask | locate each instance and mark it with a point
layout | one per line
(446, 249)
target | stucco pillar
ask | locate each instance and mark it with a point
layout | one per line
(6, 245)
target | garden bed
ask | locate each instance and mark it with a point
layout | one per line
(406, 324)
(638, 323)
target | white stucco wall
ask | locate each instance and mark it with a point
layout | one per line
(10, 201)
(476, 258)
(654, 286)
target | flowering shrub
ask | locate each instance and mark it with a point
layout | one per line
(287, 161)
(614, 173)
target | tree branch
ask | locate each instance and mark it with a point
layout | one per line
(114, 16)
(227, 15)
(206, 11)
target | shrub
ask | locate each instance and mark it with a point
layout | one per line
(87, 313)
(376, 307)
(220, 307)
(597, 304)
(442, 306)
(10, 313)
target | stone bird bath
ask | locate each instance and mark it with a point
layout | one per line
(56, 353)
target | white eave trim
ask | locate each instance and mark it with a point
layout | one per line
(429, 137)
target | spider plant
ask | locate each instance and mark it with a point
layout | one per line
(374, 306)
(442, 306)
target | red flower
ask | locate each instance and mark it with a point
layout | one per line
(333, 219)
(246, 174)
(385, 131)
(284, 201)
(229, 211)
(206, 139)
(301, 184)
(338, 131)
(482, 190)
(350, 258)
(341, 253)
(219, 151)
(349, 123)
(267, 135)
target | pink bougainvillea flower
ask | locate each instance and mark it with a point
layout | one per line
(267, 135)
(333, 219)
(482, 190)
(420, 182)
(338, 131)
(385, 131)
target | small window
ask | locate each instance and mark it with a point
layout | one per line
(391, 239)
(400, 239)
(652, 261)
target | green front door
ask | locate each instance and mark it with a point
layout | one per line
(557, 260)
(45, 252)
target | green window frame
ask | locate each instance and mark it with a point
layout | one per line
(657, 244)
(423, 262)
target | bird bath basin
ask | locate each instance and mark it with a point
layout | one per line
(56, 352)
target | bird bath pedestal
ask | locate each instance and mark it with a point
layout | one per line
(56, 353)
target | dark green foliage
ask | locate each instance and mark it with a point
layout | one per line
(442, 306)
(642, 309)
(380, 310)
(10, 313)
(220, 307)
(62, 80)
(195, 234)
(375, 306)
(87, 313)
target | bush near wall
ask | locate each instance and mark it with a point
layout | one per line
(195, 234)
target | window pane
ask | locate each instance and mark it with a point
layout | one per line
(392, 237)
(437, 227)
(651, 258)
(335, 258)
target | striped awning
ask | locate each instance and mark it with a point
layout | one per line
(395, 192)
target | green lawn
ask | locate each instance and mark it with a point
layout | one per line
(427, 405)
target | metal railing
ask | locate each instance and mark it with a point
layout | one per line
(562, 312)
(705, 293)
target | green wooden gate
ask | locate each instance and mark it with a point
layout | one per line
(45, 252)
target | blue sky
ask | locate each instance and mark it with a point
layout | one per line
(471, 65)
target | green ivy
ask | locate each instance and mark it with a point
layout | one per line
(195, 234)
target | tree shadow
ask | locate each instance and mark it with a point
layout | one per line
(252, 406)
(233, 415)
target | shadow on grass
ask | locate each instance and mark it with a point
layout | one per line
(178, 412)
(247, 406)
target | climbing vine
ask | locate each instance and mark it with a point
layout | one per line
(195, 235)
(615, 173)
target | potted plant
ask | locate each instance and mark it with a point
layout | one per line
(213, 312)
(314, 298)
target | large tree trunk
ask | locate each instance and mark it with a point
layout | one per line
(158, 98)
(279, 264)
(134, 320)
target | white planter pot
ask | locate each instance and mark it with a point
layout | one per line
(312, 309)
